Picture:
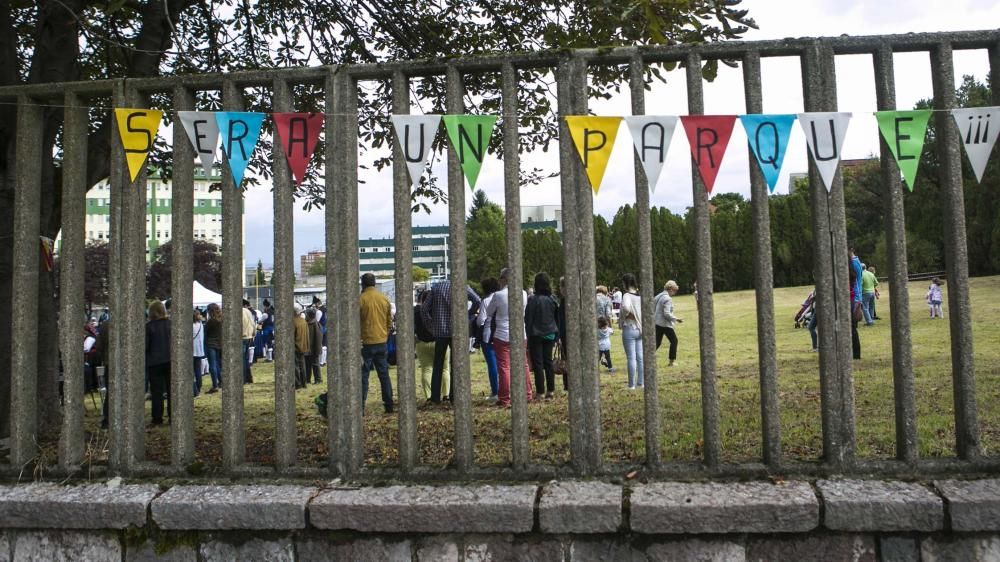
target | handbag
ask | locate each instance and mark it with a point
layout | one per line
(559, 365)
(856, 313)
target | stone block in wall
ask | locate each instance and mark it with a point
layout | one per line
(437, 549)
(898, 549)
(973, 505)
(697, 550)
(353, 550)
(92, 506)
(66, 546)
(492, 548)
(840, 547)
(957, 548)
(5, 547)
(147, 552)
(580, 507)
(607, 550)
(747, 507)
(426, 509)
(232, 507)
(875, 505)
(254, 549)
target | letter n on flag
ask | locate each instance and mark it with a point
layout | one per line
(299, 133)
(708, 136)
(594, 137)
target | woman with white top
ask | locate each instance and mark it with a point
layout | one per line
(497, 314)
(198, 349)
(630, 322)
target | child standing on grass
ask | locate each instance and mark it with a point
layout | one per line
(604, 332)
(934, 298)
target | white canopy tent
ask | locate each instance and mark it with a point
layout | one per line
(200, 296)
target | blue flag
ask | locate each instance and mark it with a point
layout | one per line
(768, 137)
(239, 132)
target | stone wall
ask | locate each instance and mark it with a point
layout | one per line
(565, 521)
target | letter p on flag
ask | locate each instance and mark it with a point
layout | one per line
(594, 138)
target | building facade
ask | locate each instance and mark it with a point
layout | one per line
(159, 202)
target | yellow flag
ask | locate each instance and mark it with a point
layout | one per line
(137, 128)
(594, 138)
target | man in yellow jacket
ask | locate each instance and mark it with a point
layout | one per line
(376, 321)
(301, 346)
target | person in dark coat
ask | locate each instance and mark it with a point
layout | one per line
(158, 358)
(315, 347)
(542, 328)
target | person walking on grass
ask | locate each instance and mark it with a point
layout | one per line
(630, 322)
(935, 297)
(663, 308)
(490, 285)
(248, 332)
(315, 346)
(854, 274)
(542, 329)
(376, 321)
(213, 346)
(869, 288)
(604, 332)
(425, 354)
(436, 315)
(158, 358)
(198, 348)
(301, 330)
(497, 331)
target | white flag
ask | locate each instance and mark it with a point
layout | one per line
(415, 134)
(651, 136)
(978, 127)
(203, 131)
(825, 134)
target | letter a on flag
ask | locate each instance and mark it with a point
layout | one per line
(594, 137)
(137, 128)
(651, 136)
(415, 134)
(298, 133)
(825, 134)
(978, 128)
(708, 136)
(469, 135)
(904, 133)
(768, 137)
(239, 132)
(203, 132)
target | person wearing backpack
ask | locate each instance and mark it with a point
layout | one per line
(425, 352)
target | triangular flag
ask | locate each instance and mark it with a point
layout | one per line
(203, 131)
(708, 136)
(594, 137)
(298, 133)
(904, 133)
(137, 128)
(469, 136)
(239, 132)
(415, 134)
(768, 137)
(825, 134)
(978, 130)
(651, 136)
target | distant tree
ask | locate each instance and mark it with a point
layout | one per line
(258, 276)
(318, 267)
(542, 251)
(95, 281)
(207, 269)
(420, 275)
(486, 238)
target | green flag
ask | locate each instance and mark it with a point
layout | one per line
(904, 133)
(469, 135)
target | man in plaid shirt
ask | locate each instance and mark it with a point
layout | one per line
(435, 312)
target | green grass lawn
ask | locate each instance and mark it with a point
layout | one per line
(680, 399)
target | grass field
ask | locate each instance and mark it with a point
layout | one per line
(680, 399)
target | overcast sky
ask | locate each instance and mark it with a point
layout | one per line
(782, 89)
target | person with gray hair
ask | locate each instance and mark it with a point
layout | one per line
(663, 308)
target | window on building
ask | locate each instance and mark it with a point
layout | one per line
(415, 248)
(159, 234)
(100, 236)
(388, 249)
(362, 250)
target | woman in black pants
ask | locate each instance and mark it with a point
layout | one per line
(542, 329)
(158, 358)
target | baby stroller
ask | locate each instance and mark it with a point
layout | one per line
(806, 311)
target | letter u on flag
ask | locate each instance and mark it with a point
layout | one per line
(825, 134)
(594, 138)
(415, 134)
(708, 136)
(298, 133)
(137, 128)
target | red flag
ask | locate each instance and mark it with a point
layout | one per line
(298, 133)
(708, 136)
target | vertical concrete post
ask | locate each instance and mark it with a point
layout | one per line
(71, 275)
(461, 388)
(830, 272)
(334, 168)
(285, 446)
(182, 275)
(403, 236)
(512, 224)
(956, 254)
(24, 309)
(233, 437)
(763, 272)
(703, 265)
(899, 306)
(118, 426)
(637, 87)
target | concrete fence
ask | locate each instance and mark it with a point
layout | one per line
(340, 86)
